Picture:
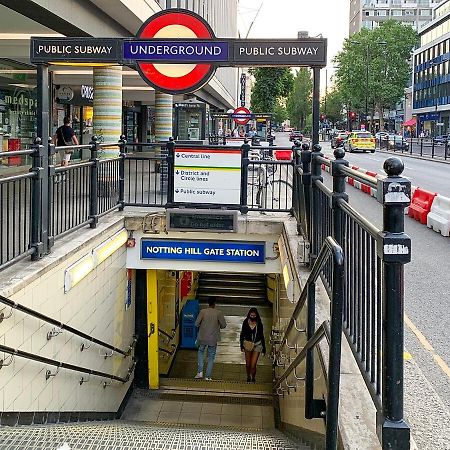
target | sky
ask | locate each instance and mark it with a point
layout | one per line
(284, 18)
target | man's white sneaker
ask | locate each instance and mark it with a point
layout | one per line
(199, 375)
(208, 379)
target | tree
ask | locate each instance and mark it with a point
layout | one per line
(332, 105)
(279, 113)
(271, 85)
(373, 67)
(299, 104)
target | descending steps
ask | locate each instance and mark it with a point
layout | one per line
(233, 288)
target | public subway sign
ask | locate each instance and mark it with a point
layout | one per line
(220, 251)
(176, 51)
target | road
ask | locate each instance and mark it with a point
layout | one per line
(431, 175)
(427, 295)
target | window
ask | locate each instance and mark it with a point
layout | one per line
(382, 13)
(396, 12)
(425, 12)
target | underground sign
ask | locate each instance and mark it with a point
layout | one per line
(241, 115)
(191, 34)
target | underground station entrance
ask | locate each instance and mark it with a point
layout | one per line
(227, 252)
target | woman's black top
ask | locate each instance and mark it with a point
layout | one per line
(249, 335)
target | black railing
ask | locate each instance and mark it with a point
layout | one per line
(332, 330)
(374, 266)
(435, 148)
(62, 326)
(64, 365)
(48, 202)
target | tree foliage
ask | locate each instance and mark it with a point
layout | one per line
(271, 85)
(332, 105)
(279, 113)
(374, 63)
(299, 104)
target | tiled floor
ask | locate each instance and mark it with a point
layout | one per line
(120, 435)
(141, 408)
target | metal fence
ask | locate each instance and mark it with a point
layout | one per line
(435, 148)
(373, 271)
(48, 202)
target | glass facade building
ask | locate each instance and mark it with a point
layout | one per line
(431, 74)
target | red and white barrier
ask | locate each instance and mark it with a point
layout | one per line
(439, 216)
(434, 210)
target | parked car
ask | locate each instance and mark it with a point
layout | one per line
(396, 142)
(360, 140)
(441, 140)
(381, 135)
(295, 136)
(288, 129)
(337, 139)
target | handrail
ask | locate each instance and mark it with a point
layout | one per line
(168, 336)
(72, 147)
(60, 364)
(30, 151)
(359, 176)
(169, 352)
(323, 160)
(329, 246)
(323, 330)
(332, 329)
(21, 176)
(63, 326)
(355, 215)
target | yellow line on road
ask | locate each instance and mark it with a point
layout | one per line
(427, 346)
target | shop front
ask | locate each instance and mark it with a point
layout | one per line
(190, 120)
(18, 105)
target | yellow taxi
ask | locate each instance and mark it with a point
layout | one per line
(359, 140)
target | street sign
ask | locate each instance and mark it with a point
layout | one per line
(241, 115)
(179, 31)
(207, 175)
(243, 82)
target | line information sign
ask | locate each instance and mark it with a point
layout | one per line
(207, 175)
(224, 251)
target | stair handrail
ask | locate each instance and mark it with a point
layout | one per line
(169, 337)
(332, 330)
(63, 365)
(62, 326)
(329, 246)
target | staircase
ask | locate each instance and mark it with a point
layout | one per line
(247, 289)
(182, 414)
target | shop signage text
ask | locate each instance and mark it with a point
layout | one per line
(223, 251)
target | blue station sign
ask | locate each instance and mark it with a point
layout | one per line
(193, 51)
(223, 251)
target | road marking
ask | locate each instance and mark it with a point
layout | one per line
(427, 346)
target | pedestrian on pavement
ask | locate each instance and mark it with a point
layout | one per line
(209, 322)
(252, 342)
(65, 136)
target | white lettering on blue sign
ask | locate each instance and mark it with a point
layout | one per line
(203, 250)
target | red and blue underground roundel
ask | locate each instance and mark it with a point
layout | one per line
(172, 78)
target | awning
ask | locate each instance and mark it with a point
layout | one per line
(410, 123)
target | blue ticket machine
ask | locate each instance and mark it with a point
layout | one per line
(188, 329)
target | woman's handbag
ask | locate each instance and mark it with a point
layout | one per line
(250, 345)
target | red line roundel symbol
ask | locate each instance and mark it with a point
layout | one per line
(241, 110)
(175, 23)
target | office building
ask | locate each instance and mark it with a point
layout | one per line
(370, 13)
(431, 90)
